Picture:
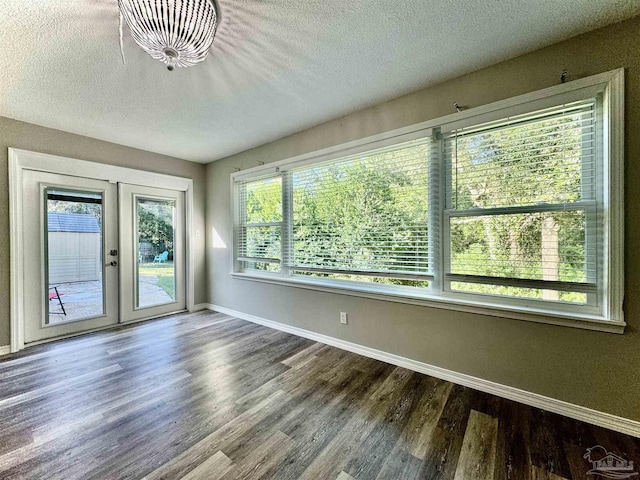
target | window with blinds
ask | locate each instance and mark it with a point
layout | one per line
(521, 205)
(259, 227)
(364, 217)
(515, 206)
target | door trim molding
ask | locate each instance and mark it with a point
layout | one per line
(577, 412)
(20, 160)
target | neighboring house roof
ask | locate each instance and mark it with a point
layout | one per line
(73, 222)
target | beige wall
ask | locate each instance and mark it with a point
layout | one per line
(39, 139)
(597, 370)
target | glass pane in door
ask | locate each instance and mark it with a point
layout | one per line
(74, 227)
(156, 275)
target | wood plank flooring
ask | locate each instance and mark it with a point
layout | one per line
(208, 396)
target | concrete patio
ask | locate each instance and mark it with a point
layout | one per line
(84, 299)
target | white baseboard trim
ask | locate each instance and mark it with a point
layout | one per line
(577, 412)
(5, 350)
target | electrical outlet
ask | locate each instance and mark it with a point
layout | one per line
(343, 318)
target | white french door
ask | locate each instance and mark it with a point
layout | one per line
(97, 253)
(70, 241)
(152, 252)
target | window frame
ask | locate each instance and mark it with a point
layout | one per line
(608, 317)
(589, 206)
(424, 139)
(240, 226)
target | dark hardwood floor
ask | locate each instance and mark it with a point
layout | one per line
(207, 396)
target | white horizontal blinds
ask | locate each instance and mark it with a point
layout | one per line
(520, 194)
(524, 160)
(364, 215)
(260, 223)
(436, 192)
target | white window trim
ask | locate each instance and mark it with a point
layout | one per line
(612, 85)
(594, 292)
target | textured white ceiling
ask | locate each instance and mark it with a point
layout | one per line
(277, 66)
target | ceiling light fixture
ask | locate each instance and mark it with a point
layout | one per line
(179, 33)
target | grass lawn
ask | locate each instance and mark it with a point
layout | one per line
(164, 273)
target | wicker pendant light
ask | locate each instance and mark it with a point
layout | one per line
(179, 33)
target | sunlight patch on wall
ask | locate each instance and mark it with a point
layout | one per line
(217, 239)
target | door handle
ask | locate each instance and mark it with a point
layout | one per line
(112, 264)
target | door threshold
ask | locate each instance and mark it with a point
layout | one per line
(153, 317)
(100, 329)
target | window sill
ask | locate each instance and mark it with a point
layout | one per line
(587, 322)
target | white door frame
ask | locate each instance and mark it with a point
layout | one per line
(20, 160)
